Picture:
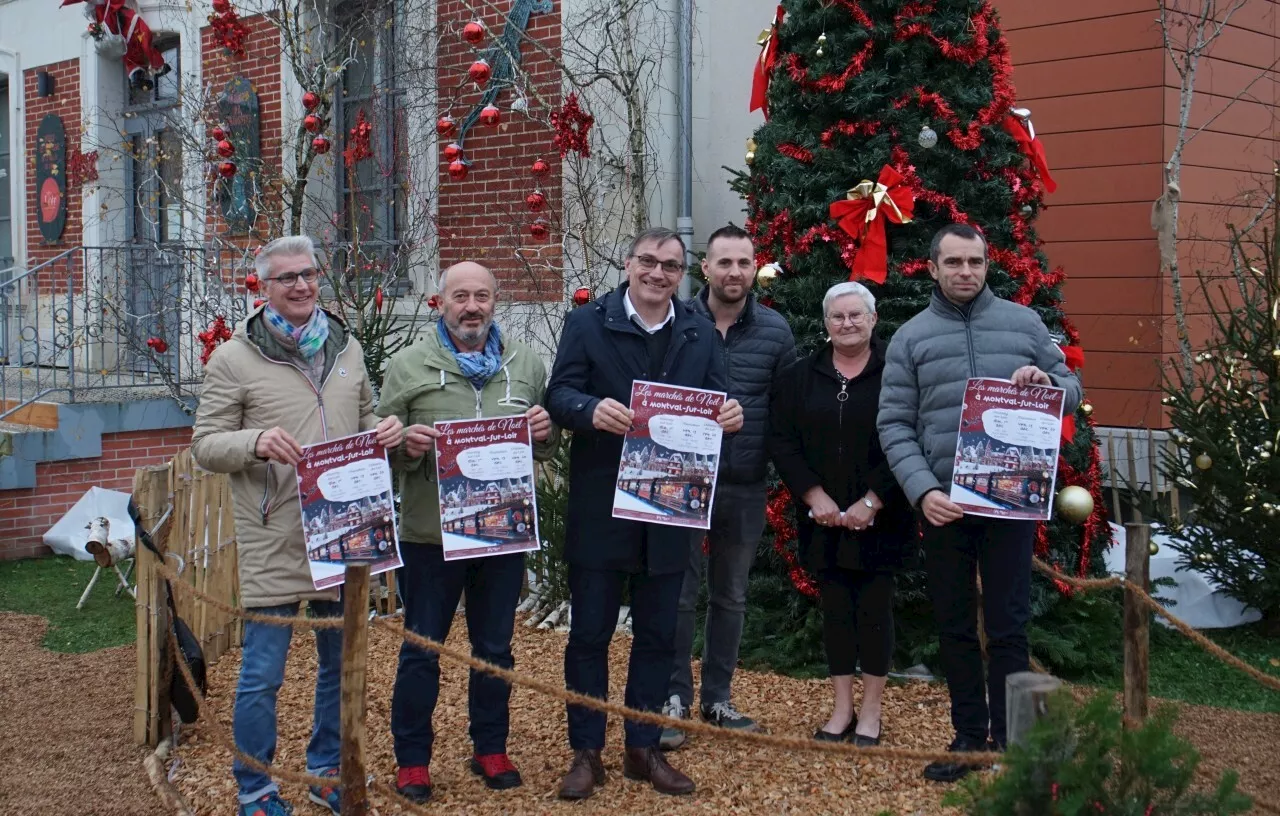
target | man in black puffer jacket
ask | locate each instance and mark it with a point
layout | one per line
(755, 344)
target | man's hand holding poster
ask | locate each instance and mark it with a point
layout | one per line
(1007, 450)
(488, 505)
(344, 487)
(670, 457)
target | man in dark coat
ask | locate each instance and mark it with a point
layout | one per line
(756, 344)
(639, 331)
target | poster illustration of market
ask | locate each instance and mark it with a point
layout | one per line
(670, 457)
(344, 486)
(488, 505)
(1007, 451)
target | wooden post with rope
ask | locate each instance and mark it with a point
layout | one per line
(1137, 623)
(152, 722)
(355, 653)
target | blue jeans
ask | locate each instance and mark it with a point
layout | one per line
(431, 588)
(262, 661)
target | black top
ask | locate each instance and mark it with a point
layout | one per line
(818, 439)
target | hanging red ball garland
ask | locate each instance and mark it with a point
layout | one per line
(473, 32)
(581, 296)
(539, 230)
(445, 125)
(452, 152)
(572, 125)
(540, 168)
(535, 200)
(227, 169)
(320, 145)
(458, 170)
(480, 71)
(490, 115)
(157, 344)
(433, 302)
(251, 282)
(217, 134)
(225, 149)
(310, 100)
(312, 123)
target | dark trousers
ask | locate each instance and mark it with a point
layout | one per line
(999, 550)
(857, 620)
(431, 588)
(595, 598)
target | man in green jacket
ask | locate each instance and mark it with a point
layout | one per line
(466, 369)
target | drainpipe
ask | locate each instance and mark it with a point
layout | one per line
(684, 215)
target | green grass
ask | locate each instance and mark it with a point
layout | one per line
(50, 587)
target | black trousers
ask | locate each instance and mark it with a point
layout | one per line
(1000, 550)
(857, 620)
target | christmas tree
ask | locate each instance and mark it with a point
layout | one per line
(905, 118)
(1222, 407)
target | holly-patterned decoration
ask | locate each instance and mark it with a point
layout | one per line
(540, 168)
(458, 170)
(215, 335)
(473, 32)
(480, 71)
(581, 296)
(445, 125)
(490, 115)
(321, 145)
(535, 200)
(310, 100)
(572, 125)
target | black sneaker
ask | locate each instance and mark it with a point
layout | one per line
(673, 738)
(956, 769)
(726, 716)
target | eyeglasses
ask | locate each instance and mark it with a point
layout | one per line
(851, 318)
(290, 279)
(649, 262)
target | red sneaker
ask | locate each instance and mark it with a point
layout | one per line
(414, 783)
(497, 770)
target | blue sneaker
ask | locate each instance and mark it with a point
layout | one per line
(328, 795)
(269, 805)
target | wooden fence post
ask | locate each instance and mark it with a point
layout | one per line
(152, 722)
(1026, 700)
(355, 651)
(1137, 623)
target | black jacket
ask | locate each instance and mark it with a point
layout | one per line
(755, 350)
(817, 440)
(601, 353)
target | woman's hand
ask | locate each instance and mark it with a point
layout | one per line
(859, 516)
(822, 508)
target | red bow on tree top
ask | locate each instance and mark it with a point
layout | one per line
(863, 213)
(1075, 361)
(1018, 125)
(768, 42)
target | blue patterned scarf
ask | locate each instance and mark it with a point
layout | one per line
(477, 366)
(309, 337)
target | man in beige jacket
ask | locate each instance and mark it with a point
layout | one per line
(291, 375)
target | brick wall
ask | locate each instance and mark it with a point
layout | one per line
(261, 66)
(65, 102)
(25, 515)
(484, 217)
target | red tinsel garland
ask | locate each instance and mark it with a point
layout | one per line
(212, 337)
(795, 152)
(572, 125)
(968, 54)
(229, 31)
(784, 532)
(843, 128)
(359, 141)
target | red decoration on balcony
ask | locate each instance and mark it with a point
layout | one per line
(312, 123)
(359, 141)
(377, 298)
(311, 100)
(251, 282)
(221, 6)
(581, 296)
(228, 29)
(227, 169)
(82, 168)
(540, 168)
(572, 124)
(225, 149)
(157, 344)
(445, 125)
(452, 152)
(536, 200)
(458, 170)
(215, 335)
(217, 134)
(490, 115)
(479, 71)
(473, 32)
(320, 145)
(539, 230)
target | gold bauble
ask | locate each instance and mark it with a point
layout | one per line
(1204, 558)
(1086, 408)
(766, 274)
(750, 158)
(1153, 548)
(1204, 461)
(1074, 504)
(1275, 352)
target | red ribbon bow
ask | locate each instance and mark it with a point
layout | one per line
(768, 42)
(1075, 361)
(1018, 125)
(863, 214)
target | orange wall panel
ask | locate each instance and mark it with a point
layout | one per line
(1096, 222)
(1016, 14)
(1094, 74)
(1225, 150)
(1113, 296)
(1101, 111)
(1083, 38)
(1108, 185)
(1099, 148)
(1135, 258)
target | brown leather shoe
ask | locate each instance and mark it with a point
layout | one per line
(584, 775)
(649, 765)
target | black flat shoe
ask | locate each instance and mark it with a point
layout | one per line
(822, 735)
(956, 769)
(863, 741)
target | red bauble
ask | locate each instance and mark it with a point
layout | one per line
(312, 123)
(320, 145)
(158, 345)
(538, 229)
(377, 298)
(433, 302)
(490, 115)
(310, 100)
(536, 200)
(452, 152)
(258, 302)
(445, 125)
(540, 168)
(221, 6)
(217, 134)
(225, 149)
(251, 282)
(457, 170)
(581, 296)
(479, 71)
(227, 169)
(473, 32)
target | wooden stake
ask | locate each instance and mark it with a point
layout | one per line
(1137, 624)
(150, 491)
(355, 652)
(1026, 701)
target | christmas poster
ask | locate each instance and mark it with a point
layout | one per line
(344, 487)
(670, 457)
(1007, 451)
(488, 505)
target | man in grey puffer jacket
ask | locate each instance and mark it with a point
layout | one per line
(966, 332)
(756, 344)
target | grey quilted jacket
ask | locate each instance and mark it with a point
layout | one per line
(928, 362)
(756, 349)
